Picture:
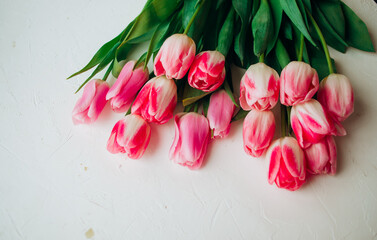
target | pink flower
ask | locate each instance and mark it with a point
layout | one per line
(130, 135)
(286, 164)
(321, 157)
(259, 88)
(310, 123)
(220, 112)
(336, 96)
(91, 103)
(156, 100)
(192, 136)
(258, 131)
(123, 92)
(175, 56)
(207, 71)
(298, 83)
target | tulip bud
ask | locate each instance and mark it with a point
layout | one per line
(310, 122)
(207, 71)
(130, 135)
(259, 88)
(298, 83)
(156, 100)
(258, 131)
(336, 96)
(220, 112)
(91, 103)
(124, 90)
(286, 164)
(175, 56)
(321, 157)
(192, 136)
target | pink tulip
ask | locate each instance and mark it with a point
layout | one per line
(207, 71)
(130, 135)
(220, 112)
(336, 96)
(310, 122)
(123, 92)
(175, 56)
(298, 83)
(156, 100)
(91, 103)
(321, 157)
(192, 136)
(258, 131)
(259, 88)
(286, 164)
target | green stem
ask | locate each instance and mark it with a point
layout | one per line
(289, 127)
(108, 71)
(323, 42)
(261, 58)
(301, 53)
(193, 17)
(283, 114)
(196, 107)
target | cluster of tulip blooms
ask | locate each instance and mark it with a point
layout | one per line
(311, 111)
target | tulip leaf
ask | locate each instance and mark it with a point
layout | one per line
(99, 56)
(331, 36)
(282, 55)
(292, 10)
(334, 15)
(158, 34)
(205, 104)
(241, 114)
(262, 28)
(318, 62)
(287, 30)
(226, 33)
(228, 84)
(243, 9)
(191, 95)
(199, 23)
(277, 15)
(357, 34)
(120, 55)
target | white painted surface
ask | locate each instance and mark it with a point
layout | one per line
(57, 181)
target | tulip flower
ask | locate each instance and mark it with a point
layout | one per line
(156, 100)
(192, 135)
(220, 112)
(336, 96)
(124, 90)
(207, 71)
(259, 88)
(91, 103)
(175, 56)
(321, 157)
(310, 123)
(130, 135)
(298, 83)
(258, 131)
(286, 164)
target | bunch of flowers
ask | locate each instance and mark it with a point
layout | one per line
(194, 43)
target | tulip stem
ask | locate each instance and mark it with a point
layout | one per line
(323, 42)
(108, 71)
(196, 106)
(261, 58)
(283, 114)
(301, 52)
(193, 17)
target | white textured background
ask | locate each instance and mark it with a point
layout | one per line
(57, 181)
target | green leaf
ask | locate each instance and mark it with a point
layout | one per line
(331, 36)
(191, 95)
(228, 84)
(241, 114)
(334, 15)
(277, 15)
(308, 5)
(226, 34)
(121, 54)
(281, 54)
(293, 12)
(197, 27)
(287, 30)
(357, 34)
(99, 56)
(205, 102)
(141, 60)
(243, 9)
(262, 27)
(318, 62)
(158, 34)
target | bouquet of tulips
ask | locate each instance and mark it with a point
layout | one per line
(194, 44)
